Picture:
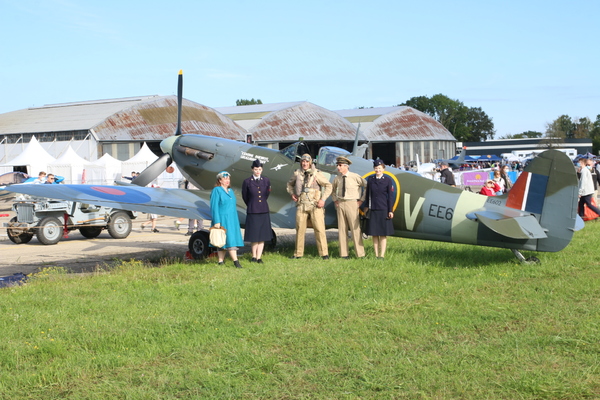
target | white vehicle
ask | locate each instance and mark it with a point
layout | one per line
(49, 220)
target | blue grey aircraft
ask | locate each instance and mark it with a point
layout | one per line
(538, 214)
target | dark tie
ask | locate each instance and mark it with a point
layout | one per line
(343, 186)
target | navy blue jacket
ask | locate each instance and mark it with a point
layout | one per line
(380, 194)
(255, 194)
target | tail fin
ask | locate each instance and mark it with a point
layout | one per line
(547, 189)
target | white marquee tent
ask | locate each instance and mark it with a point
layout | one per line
(69, 165)
(34, 157)
(103, 171)
(138, 162)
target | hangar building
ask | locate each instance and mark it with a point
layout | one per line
(119, 127)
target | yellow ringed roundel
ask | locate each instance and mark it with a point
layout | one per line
(395, 184)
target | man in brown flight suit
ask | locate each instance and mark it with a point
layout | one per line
(349, 191)
(309, 189)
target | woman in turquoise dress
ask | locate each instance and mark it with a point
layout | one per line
(224, 214)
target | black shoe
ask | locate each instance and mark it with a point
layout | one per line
(260, 261)
(155, 230)
(221, 263)
(142, 226)
(294, 258)
(236, 264)
(253, 260)
(325, 257)
(189, 233)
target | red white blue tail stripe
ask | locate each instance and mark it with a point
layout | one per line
(527, 194)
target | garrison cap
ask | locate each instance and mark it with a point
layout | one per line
(342, 160)
(256, 163)
(378, 162)
(306, 157)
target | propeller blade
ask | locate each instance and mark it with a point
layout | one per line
(179, 101)
(153, 170)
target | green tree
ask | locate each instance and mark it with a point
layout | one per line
(562, 127)
(524, 135)
(246, 102)
(466, 124)
(595, 135)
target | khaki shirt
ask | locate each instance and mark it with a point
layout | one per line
(317, 187)
(354, 187)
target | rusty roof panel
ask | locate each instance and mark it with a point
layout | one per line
(157, 120)
(406, 123)
(306, 120)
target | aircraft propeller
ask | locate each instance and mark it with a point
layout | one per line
(158, 166)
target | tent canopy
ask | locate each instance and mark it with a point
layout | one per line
(34, 157)
(70, 166)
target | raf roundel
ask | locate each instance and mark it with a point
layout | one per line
(123, 195)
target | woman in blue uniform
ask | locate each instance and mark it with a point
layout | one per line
(224, 213)
(255, 192)
(380, 200)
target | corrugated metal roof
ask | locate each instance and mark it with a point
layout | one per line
(256, 108)
(406, 123)
(157, 120)
(64, 117)
(306, 120)
(133, 118)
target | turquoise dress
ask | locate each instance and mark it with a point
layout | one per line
(224, 212)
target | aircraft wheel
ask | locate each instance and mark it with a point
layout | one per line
(90, 232)
(271, 244)
(533, 260)
(49, 230)
(18, 235)
(119, 226)
(198, 245)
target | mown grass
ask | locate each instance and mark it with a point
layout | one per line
(432, 321)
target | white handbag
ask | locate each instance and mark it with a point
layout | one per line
(218, 237)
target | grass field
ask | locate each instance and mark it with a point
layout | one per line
(432, 321)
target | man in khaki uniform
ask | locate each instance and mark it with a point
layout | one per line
(348, 194)
(309, 189)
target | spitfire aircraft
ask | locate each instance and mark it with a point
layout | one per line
(538, 214)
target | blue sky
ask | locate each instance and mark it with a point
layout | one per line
(524, 63)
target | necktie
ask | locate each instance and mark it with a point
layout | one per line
(343, 186)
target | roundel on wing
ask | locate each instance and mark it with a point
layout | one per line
(115, 193)
(395, 186)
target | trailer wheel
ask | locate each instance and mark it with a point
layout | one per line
(49, 230)
(90, 232)
(198, 245)
(18, 235)
(119, 226)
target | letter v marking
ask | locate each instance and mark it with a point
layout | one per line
(411, 217)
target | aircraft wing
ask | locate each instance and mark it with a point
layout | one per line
(523, 226)
(180, 203)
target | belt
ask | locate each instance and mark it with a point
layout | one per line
(348, 200)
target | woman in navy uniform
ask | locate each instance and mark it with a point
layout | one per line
(255, 192)
(380, 200)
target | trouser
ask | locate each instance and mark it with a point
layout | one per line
(587, 200)
(348, 220)
(194, 224)
(317, 218)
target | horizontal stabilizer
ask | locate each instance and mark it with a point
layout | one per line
(522, 227)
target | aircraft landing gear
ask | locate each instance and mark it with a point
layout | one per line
(528, 260)
(198, 245)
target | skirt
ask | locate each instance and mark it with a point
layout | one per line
(258, 228)
(379, 224)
